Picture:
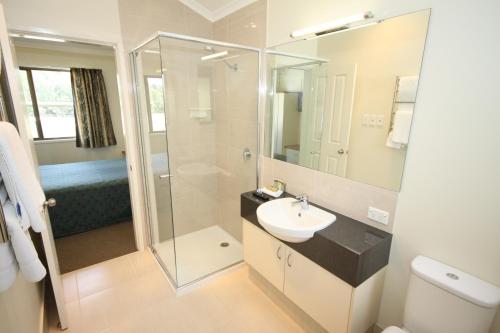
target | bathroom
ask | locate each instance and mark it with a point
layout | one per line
(435, 194)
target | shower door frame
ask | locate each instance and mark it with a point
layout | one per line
(139, 127)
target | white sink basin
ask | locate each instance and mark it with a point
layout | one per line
(292, 223)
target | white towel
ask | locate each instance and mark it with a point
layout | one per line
(390, 143)
(400, 133)
(19, 178)
(24, 250)
(401, 127)
(8, 266)
(407, 89)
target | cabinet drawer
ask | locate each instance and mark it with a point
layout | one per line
(264, 253)
(326, 298)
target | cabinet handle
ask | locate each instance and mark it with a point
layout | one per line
(288, 260)
(278, 252)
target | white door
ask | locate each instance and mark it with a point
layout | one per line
(337, 119)
(21, 118)
(313, 109)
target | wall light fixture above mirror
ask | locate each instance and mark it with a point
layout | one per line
(343, 102)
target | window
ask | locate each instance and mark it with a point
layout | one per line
(154, 91)
(49, 103)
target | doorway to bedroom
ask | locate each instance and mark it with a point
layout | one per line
(72, 100)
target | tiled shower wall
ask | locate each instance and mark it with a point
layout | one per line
(236, 99)
(203, 200)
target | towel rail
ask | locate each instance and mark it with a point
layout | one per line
(395, 103)
(4, 236)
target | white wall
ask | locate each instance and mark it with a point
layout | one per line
(21, 307)
(65, 151)
(447, 208)
(91, 19)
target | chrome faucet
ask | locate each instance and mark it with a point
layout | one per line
(302, 200)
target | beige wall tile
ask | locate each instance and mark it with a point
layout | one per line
(339, 194)
(236, 113)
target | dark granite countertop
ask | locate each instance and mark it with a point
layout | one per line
(350, 249)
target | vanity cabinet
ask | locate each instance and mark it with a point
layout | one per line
(331, 302)
(265, 254)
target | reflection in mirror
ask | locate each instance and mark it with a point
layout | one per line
(342, 103)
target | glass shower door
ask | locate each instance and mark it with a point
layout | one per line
(205, 156)
(212, 97)
(150, 98)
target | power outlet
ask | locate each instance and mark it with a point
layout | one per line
(378, 215)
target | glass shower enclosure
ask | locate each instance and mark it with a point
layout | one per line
(197, 109)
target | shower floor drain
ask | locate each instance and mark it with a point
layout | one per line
(224, 244)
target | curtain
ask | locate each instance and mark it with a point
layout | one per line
(94, 128)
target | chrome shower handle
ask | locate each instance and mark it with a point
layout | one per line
(247, 154)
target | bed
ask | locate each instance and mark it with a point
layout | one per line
(89, 195)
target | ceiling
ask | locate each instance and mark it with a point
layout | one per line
(214, 10)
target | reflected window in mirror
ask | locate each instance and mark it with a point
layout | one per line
(154, 95)
(343, 103)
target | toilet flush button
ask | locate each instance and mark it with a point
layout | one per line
(452, 276)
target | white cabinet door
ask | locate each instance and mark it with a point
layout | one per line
(264, 253)
(319, 293)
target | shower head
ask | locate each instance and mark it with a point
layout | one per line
(214, 55)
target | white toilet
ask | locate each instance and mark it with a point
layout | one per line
(442, 299)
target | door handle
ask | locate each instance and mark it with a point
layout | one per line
(165, 176)
(341, 151)
(278, 252)
(50, 202)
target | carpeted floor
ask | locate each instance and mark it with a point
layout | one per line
(91, 247)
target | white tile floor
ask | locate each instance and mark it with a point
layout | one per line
(131, 294)
(199, 253)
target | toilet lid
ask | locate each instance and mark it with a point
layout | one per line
(394, 329)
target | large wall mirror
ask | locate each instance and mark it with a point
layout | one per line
(342, 103)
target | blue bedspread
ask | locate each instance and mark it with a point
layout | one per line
(89, 195)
